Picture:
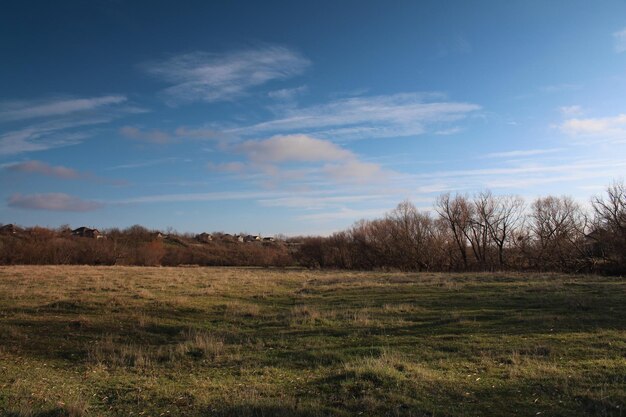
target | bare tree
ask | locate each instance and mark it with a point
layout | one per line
(483, 215)
(558, 225)
(610, 223)
(506, 218)
(411, 235)
(457, 213)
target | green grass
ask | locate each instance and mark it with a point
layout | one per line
(111, 341)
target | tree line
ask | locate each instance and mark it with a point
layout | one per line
(482, 232)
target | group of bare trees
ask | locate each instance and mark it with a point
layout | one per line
(484, 232)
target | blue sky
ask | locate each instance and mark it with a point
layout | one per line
(288, 117)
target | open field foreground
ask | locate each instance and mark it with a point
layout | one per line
(113, 341)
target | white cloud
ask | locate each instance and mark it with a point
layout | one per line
(620, 40)
(292, 148)
(605, 128)
(10, 111)
(210, 77)
(52, 202)
(339, 163)
(385, 116)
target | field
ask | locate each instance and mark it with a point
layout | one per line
(113, 341)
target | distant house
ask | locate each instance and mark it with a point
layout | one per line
(269, 239)
(252, 238)
(9, 229)
(87, 232)
(204, 237)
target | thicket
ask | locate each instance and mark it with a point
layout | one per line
(479, 232)
(135, 245)
(484, 232)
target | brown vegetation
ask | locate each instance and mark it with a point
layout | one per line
(480, 233)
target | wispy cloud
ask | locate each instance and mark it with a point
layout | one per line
(549, 89)
(287, 93)
(394, 115)
(43, 136)
(354, 170)
(620, 40)
(557, 88)
(525, 169)
(210, 77)
(38, 167)
(152, 136)
(52, 202)
(60, 125)
(211, 196)
(344, 213)
(454, 46)
(57, 171)
(19, 110)
(521, 153)
(145, 163)
(520, 176)
(601, 128)
(230, 167)
(315, 202)
(158, 136)
(570, 111)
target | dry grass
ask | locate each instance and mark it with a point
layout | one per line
(102, 341)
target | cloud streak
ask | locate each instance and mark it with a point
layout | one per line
(521, 153)
(161, 137)
(62, 118)
(42, 137)
(396, 115)
(52, 202)
(152, 136)
(211, 77)
(11, 111)
(38, 167)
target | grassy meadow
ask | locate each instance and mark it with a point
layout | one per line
(129, 341)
